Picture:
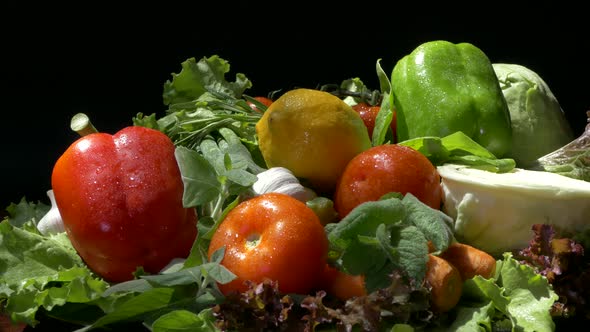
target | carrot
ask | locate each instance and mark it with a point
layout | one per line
(431, 247)
(342, 285)
(445, 282)
(470, 261)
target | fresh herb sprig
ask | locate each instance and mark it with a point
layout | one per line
(201, 102)
(189, 123)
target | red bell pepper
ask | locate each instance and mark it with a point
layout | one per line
(120, 198)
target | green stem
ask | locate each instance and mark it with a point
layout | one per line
(81, 124)
(194, 138)
(218, 208)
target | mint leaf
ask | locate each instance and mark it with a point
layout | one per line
(436, 226)
(412, 251)
(184, 320)
(198, 255)
(137, 306)
(241, 157)
(356, 264)
(193, 275)
(378, 237)
(200, 180)
(230, 159)
(364, 220)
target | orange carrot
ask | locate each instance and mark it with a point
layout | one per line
(470, 261)
(342, 285)
(431, 247)
(445, 282)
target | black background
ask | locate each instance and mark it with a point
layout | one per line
(112, 62)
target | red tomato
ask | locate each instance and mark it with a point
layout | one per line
(384, 169)
(120, 198)
(264, 100)
(272, 236)
(369, 113)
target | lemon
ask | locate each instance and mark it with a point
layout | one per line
(312, 133)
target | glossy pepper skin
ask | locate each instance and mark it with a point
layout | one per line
(120, 197)
(442, 87)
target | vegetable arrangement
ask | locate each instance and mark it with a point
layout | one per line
(306, 212)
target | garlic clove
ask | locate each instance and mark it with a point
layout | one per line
(282, 180)
(297, 191)
(51, 223)
(272, 179)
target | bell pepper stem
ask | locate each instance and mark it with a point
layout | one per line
(81, 124)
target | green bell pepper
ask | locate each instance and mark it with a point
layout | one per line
(441, 88)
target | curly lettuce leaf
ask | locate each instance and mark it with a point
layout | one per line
(571, 160)
(563, 262)
(25, 211)
(26, 255)
(42, 272)
(196, 78)
(516, 297)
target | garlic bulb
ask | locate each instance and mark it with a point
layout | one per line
(282, 180)
(51, 223)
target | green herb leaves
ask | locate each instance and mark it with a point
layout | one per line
(201, 102)
(213, 181)
(379, 237)
(196, 78)
(460, 149)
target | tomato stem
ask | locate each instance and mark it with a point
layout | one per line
(253, 240)
(81, 124)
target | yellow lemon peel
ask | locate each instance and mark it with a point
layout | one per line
(312, 133)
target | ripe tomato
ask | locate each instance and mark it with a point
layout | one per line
(383, 169)
(369, 113)
(264, 100)
(272, 236)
